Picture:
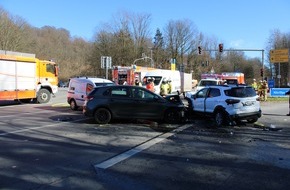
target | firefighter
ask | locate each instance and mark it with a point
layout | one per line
(264, 90)
(169, 86)
(150, 84)
(260, 89)
(255, 85)
(137, 83)
(164, 88)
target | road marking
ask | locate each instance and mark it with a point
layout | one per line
(116, 159)
(60, 105)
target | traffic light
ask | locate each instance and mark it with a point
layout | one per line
(262, 72)
(221, 48)
(199, 50)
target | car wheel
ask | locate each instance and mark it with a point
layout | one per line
(172, 116)
(219, 118)
(253, 120)
(102, 116)
(73, 105)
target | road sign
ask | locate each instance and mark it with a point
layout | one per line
(279, 55)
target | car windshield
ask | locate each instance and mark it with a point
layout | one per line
(241, 92)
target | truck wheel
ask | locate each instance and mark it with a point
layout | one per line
(73, 105)
(43, 96)
(102, 116)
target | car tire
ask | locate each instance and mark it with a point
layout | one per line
(220, 118)
(172, 116)
(102, 116)
(73, 105)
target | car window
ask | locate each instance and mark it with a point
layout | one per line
(142, 93)
(119, 92)
(241, 92)
(93, 92)
(214, 92)
(202, 93)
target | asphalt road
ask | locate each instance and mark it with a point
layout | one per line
(51, 147)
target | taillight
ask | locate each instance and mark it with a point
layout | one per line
(232, 101)
(90, 98)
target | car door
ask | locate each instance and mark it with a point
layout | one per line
(146, 104)
(212, 99)
(198, 102)
(120, 103)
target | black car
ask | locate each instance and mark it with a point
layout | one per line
(132, 102)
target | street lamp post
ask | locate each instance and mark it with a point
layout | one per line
(143, 58)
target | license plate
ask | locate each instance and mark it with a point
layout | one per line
(249, 103)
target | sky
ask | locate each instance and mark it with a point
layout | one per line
(238, 24)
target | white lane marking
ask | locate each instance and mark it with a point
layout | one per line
(116, 159)
(33, 128)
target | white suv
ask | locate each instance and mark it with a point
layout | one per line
(226, 104)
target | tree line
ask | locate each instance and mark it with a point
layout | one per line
(129, 37)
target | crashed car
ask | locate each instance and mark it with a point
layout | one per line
(226, 104)
(132, 102)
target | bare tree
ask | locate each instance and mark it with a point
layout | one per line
(13, 32)
(180, 37)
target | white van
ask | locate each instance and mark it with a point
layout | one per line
(180, 82)
(80, 87)
(208, 82)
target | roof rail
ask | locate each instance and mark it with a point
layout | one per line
(17, 53)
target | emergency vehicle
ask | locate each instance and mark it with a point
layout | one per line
(25, 78)
(120, 74)
(180, 82)
(230, 78)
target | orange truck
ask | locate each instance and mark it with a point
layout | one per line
(26, 78)
(129, 74)
(234, 77)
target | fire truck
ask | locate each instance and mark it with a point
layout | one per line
(120, 74)
(26, 78)
(231, 78)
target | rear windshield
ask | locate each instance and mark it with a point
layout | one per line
(104, 84)
(241, 92)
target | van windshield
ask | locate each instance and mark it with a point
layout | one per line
(156, 80)
(207, 83)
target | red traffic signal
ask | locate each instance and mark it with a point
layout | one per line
(262, 72)
(221, 48)
(199, 50)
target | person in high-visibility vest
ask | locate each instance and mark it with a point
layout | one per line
(260, 89)
(164, 88)
(255, 85)
(169, 86)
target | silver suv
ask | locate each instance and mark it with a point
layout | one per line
(226, 104)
